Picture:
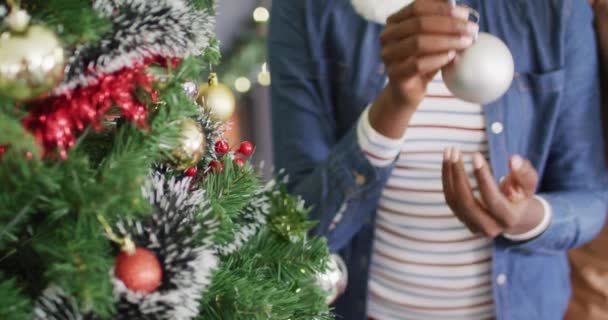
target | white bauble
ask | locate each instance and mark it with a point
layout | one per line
(482, 73)
(334, 280)
(378, 11)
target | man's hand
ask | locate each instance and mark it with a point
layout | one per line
(416, 43)
(510, 208)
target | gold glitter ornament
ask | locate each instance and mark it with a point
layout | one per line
(191, 147)
(32, 59)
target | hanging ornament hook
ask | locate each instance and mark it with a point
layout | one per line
(126, 244)
(18, 19)
(483, 72)
(14, 4)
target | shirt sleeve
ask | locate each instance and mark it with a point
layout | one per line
(575, 180)
(325, 167)
(539, 229)
(380, 150)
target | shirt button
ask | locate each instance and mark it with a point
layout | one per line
(497, 127)
(501, 279)
(359, 178)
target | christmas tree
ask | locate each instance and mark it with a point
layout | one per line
(119, 196)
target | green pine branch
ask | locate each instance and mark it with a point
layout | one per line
(13, 305)
(269, 279)
(74, 21)
(208, 5)
(64, 198)
(288, 216)
(229, 192)
(50, 209)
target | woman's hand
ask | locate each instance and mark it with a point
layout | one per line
(600, 7)
(509, 208)
(417, 42)
(601, 19)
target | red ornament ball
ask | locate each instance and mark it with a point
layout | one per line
(217, 166)
(140, 272)
(222, 147)
(191, 172)
(239, 162)
(246, 148)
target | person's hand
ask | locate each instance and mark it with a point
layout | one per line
(419, 40)
(416, 43)
(600, 7)
(509, 208)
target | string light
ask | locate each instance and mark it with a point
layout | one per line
(242, 84)
(264, 76)
(261, 14)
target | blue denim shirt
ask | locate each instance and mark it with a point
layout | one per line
(326, 66)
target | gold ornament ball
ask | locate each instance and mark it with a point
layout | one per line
(217, 99)
(31, 62)
(192, 145)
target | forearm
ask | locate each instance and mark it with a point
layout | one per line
(388, 117)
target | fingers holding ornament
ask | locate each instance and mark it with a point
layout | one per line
(483, 72)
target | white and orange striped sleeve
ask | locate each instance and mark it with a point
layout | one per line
(380, 150)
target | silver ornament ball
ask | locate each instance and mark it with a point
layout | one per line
(190, 89)
(334, 280)
(482, 73)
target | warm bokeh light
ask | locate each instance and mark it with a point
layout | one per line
(264, 76)
(261, 14)
(242, 84)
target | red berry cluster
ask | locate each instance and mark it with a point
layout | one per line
(222, 147)
(245, 149)
(2, 150)
(3, 147)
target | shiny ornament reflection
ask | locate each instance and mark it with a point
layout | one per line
(190, 89)
(192, 145)
(217, 99)
(31, 62)
(334, 280)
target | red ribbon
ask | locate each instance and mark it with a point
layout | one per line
(55, 121)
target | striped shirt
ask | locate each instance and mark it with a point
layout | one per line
(426, 264)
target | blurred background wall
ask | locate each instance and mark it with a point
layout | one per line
(241, 29)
